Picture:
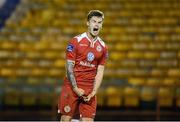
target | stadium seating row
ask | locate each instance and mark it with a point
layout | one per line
(110, 96)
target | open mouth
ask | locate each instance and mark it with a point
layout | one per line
(95, 29)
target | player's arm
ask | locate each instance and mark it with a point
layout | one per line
(70, 75)
(97, 82)
(98, 78)
(70, 63)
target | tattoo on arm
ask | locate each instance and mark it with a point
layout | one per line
(70, 73)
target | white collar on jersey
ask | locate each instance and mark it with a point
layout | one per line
(90, 40)
(79, 37)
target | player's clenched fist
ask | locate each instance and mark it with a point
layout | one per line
(78, 91)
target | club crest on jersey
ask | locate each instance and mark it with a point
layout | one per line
(67, 109)
(99, 48)
(90, 56)
(70, 48)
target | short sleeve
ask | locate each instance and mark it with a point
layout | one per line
(104, 57)
(71, 49)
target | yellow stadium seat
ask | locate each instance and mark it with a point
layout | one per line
(47, 16)
(28, 63)
(101, 97)
(139, 46)
(56, 72)
(177, 97)
(139, 72)
(135, 55)
(59, 63)
(177, 29)
(157, 72)
(24, 46)
(34, 81)
(146, 63)
(123, 46)
(165, 97)
(131, 97)
(42, 45)
(23, 72)
(58, 46)
(109, 73)
(9, 72)
(154, 82)
(129, 63)
(169, 82)
(151, 55)
(51, 55)
(136, 81)
(45, 99)
(29, 98)
(162, 38)
(8, 45)
(34, 55)
(116, 30)
(59, 2)
(174, 72)
(117, 56)
(39, 72)
(125, 72)
(110, 65)
(158, 47)
(138, 21)
(6, 54)
(114, 96)
(12, 97)
(148, 94)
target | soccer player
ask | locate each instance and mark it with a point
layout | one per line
(85, 59)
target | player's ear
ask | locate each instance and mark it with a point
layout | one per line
(87, 23)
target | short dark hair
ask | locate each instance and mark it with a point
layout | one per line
(97, 13)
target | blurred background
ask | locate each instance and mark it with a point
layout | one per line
(142, 75)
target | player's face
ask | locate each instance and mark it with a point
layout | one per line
(95, 25)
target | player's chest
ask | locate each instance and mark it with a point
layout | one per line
(90, 51)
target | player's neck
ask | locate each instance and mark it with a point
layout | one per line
(91, 37)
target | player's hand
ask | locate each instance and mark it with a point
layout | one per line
(78, 91)
(88, 98)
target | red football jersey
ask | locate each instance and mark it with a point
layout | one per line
(87, 55)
